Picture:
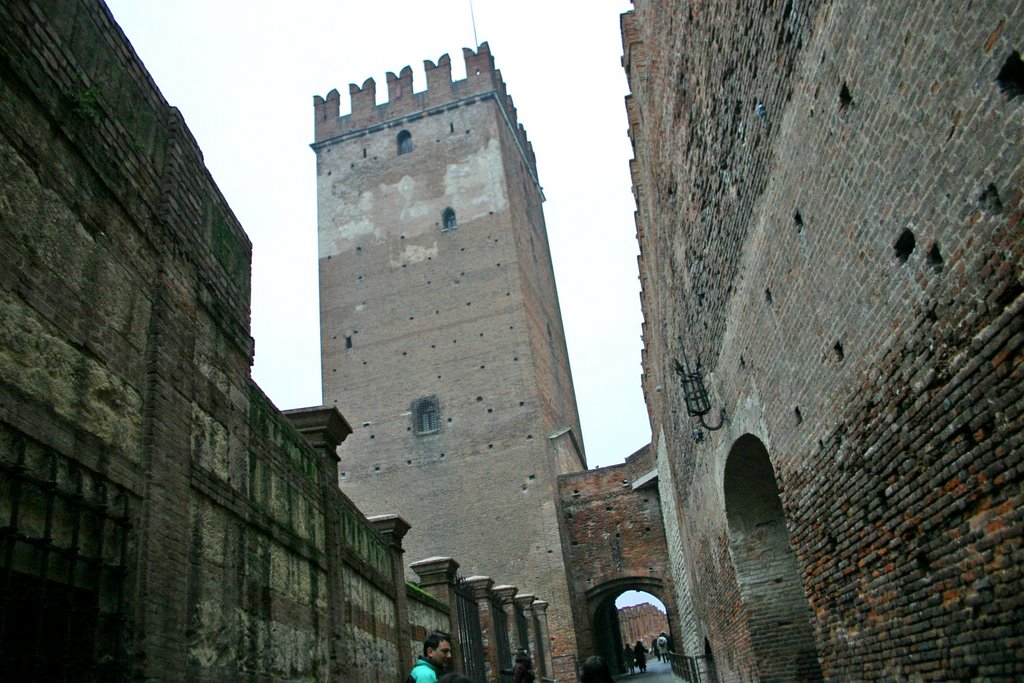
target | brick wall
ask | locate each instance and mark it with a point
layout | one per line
(426, 615)
(829, 219)
(617, 542)
(643, 622)
(191, 515)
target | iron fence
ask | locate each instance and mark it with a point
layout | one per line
(501, 636)
(539, 658)
(470, 640)
(63, 564)
(522, 629)
(690, 669)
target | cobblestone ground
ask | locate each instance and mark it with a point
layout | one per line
(657, 672)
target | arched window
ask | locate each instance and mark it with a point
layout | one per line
(426, 416)
(448, 221)
(404, 142)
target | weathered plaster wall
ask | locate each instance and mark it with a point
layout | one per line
(426, 615)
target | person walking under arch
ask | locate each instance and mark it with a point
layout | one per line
(663, 645)
(640, 655)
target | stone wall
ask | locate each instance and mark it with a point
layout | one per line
(829, 214)
(427, 614)
(125, 387)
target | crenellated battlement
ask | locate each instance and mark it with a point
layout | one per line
(482, 80)
(481, 77)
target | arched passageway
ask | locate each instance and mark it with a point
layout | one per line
(615, 540)
(609, 635)
(778, 618)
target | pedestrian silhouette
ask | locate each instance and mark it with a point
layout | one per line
(595, 670)
(640, 655)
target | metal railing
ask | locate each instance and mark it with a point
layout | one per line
(63, 561)
(501, 636)
(471, 643)
(690, 669)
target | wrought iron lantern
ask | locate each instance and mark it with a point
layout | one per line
(696, 395)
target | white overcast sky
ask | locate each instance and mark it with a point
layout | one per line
(244, 75)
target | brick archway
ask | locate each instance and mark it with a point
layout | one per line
(615, 542)
(606, 635)
(778, 617)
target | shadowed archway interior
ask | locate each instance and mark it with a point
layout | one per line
(777, 615)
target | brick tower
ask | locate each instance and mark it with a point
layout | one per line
(441, 333)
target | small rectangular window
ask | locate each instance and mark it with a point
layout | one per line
(348, 342)
(426, 416)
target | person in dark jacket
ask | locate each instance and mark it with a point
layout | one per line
(453, 678)
(627, 659)
(596, 670)
(640, 655)
(522, 671)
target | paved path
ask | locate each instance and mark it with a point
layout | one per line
(657, 672)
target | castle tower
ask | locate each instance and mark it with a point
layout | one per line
(441, 333)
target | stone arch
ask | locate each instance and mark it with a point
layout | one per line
(778, 617)
(603, 615)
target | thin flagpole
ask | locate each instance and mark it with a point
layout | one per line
(473, 19)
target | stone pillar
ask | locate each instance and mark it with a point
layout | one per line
(393, 528)
(523, 604)
(506, 599)
(324, 428)
(437, 577)
(540, 612)
(481, 586)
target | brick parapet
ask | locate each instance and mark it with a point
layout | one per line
(442, 94)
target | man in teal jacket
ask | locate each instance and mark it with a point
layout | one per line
(437, 653)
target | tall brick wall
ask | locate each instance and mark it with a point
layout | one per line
(643, 622)
(465, 317)
(143, 478)
(829, 212)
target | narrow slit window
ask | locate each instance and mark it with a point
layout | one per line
(404, 142)
(448, 220)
